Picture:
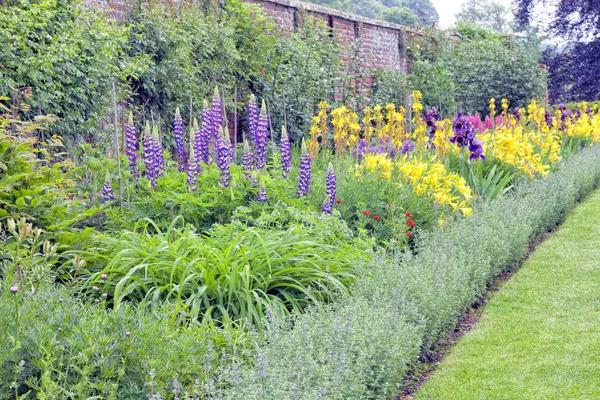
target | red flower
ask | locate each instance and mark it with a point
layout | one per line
(409, 215)
(408, 233)
(389, 205)
(377, 217)
(338, 201)
(367, 212)
(411, 223)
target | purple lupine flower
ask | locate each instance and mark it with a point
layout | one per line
(549, 119)
(216, 114)
(330, 183)
(304, 183)
(476, 150)
(223, 158)
(252, 119)
(131, 147)
(203, 143)
(247, 160)
(149, 157)
(179, 140)
(284, 151)
(262, 192)
(159, 158)
(107, 192)
(262, 138)
(192, 166)
(407, 146)
(464, 132)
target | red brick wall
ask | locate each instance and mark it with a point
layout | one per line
(366, 44)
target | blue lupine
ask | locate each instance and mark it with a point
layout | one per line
(252, 119)
(149, 157)
(304, 183)
(262, 138)
(223, 152)
(330, 183)
(284, 151)
(159, 158)
(192, 166)
(247, 160)
(107, 192)
(262, 192)
(205, 135)
(178, 136)
(131, 147)
(216, 114)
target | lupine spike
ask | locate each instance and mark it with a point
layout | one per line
(227, 138)
(330, 183)
(158, 152)
(178, 136)
(262, 191)
(107, 191)
(304, 182)
(217, 113)
(284, 151)
(149, 157)
(247, 160)
(131, 146)
(252, 119)
(262, 138)
(196, 139)
(223, 158)
(206, 134)
(192, 165)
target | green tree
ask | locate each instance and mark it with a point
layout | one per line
(488, 14)
(399, 15)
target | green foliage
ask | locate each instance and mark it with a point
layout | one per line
(399, 15)
(67, 55)
(466, 74)
(238, 272)
(418, 10)
(362, 347)
(36, 181)
(487, 14)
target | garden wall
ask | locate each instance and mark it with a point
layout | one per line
(368, 44)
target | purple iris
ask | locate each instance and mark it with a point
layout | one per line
(476, 150)
(549, 119)
(464, 132)
(407, 146)
(431, 117)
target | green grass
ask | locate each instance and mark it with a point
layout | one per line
(539, 337)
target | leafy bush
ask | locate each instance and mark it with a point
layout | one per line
(67, 55)
(361, 347)
(284, 261)
(466, 74)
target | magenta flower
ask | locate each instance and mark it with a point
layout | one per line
(131, 147)
(14, 289)
(284, 151)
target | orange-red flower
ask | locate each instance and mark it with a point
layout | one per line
(367, 212)
(377, 217)
(411, 223)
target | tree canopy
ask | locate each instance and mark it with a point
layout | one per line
(487, 14)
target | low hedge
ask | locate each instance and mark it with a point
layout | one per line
(362, 347)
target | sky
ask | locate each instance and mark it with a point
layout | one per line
(447, 9)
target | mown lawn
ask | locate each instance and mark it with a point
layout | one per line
(539, 336)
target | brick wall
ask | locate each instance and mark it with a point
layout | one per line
(367, 44)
